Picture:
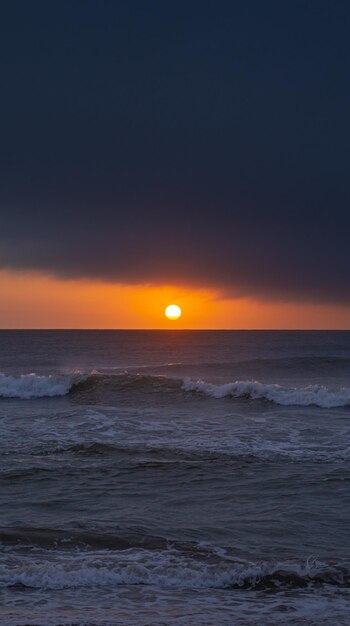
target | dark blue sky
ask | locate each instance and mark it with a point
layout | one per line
(199, 142)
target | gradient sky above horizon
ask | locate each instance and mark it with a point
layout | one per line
(196, 151)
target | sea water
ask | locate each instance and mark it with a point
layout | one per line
(174, 477)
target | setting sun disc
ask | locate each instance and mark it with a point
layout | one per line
(173, 312)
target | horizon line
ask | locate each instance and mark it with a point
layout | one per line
(329, 330)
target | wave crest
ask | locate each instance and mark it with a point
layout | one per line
(29, 386)
(317, 395)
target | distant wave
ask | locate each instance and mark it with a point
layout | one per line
(28, 386)
(316, 395)
(311, 363)
(304, 362)
(314, 363)
(61, 539)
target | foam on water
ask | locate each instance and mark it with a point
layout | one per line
(140, 587)
(317, 395)
(163, 569)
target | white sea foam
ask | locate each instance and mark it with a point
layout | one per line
(166, 588)
(29, 386)
(316, 395)
(163, 569)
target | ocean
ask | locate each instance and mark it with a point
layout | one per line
(174, 478)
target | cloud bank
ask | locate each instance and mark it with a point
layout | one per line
(194, 144)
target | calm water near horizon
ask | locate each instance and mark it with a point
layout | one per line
(174, 478)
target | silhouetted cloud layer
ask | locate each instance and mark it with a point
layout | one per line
(203, 143)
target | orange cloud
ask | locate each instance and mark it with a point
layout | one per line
(33, 300)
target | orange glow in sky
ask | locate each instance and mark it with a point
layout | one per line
(33, 300)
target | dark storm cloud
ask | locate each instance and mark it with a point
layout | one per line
(198, 142)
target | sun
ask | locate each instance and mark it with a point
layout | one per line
(173, 312)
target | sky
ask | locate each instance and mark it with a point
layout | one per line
(189, 151)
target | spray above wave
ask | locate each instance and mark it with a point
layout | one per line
(316, 395)
(29, 386)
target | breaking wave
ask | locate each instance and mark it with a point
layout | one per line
(29, 386)
(317, 395)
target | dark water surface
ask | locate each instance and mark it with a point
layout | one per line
(185, 477)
